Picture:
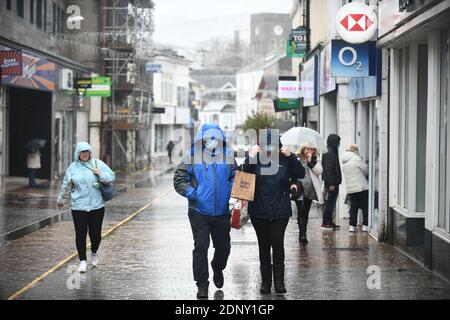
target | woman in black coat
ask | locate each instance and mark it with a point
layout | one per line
(271, 209)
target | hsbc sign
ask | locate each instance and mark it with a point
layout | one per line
(356, 22)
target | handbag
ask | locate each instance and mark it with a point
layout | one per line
(107, 190)
(295, 195)
(239, 214)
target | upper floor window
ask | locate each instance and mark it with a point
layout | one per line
(31, 11)
(8, 5)
(20, 8)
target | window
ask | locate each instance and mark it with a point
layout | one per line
(31, 11)
(45, 15)
(39, 13)
(444, 139)
(8, 5)
(182, 97)
(403, 128)
(421, 131)
(20, 8)
(61, 20)
(55, 18)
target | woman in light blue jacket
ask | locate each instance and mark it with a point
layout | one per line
(84, 176)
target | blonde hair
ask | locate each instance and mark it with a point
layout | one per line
(307, 144)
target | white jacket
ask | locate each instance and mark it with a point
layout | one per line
(355, 172)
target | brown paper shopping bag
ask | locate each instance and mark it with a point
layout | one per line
(244, 186)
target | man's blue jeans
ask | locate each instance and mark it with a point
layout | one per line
(32, 177)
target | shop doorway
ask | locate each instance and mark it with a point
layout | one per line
(30, 117)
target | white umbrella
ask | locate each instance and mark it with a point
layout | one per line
(295, 137)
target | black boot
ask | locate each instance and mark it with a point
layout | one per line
(278, 278)
(302, 226)
(266, 276)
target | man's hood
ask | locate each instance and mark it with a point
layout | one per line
(209, 131)
(333, 141)
(82, 146)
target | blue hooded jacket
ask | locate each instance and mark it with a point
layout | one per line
(207, 184)
(84, 195)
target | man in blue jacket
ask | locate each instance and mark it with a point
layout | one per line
(206, 179)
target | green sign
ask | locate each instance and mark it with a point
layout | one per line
(291, 50)
(286, 104)
(99, 87)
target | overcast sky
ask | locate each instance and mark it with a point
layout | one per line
(186, 22)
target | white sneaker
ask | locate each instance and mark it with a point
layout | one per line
(83, 266)
(352, 229)
(94, 259)
(365, 229)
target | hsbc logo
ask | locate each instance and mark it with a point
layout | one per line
(356, 22)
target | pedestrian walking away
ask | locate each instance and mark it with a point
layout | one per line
(169, 148)
(271, 209)
(332, 177)
(355, 173)
(84, 176)
(309, 188)
(205, 177)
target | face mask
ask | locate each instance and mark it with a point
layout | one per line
(211, 144)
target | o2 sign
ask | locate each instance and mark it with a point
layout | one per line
(352, 60)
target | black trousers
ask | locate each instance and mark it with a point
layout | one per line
(88, 221)
(270, 234)
(202, 228)
(330, 203)
(359, 200)
(303, 208)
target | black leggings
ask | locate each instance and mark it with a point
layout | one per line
(303, 208)
(85, 221)
(270, 236)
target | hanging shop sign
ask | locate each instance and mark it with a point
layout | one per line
(94, 87)
(37, 73)
(352, 60)
(309, 82)
(356, 22)
(11, 62)
(288, 88)
(327, 82)
(281, 105)
(298, 43)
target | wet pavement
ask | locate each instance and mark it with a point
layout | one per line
(150, 258)
(24, 210)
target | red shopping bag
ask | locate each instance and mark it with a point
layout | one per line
(239, 214)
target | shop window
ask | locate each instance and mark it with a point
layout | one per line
(421, 154)
(444, 140)
(403, 128)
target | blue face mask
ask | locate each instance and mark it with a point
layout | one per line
(211, 144)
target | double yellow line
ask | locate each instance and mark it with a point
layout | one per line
(72, 256)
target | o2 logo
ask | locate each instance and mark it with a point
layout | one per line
(352, 61)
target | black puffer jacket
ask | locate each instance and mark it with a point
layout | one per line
(272, 192)
(330, 162)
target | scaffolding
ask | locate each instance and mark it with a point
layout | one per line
(127, 29)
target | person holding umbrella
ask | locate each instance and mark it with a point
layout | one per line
(33, 160)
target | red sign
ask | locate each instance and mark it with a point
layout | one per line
(356, 22)
(11, 62)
